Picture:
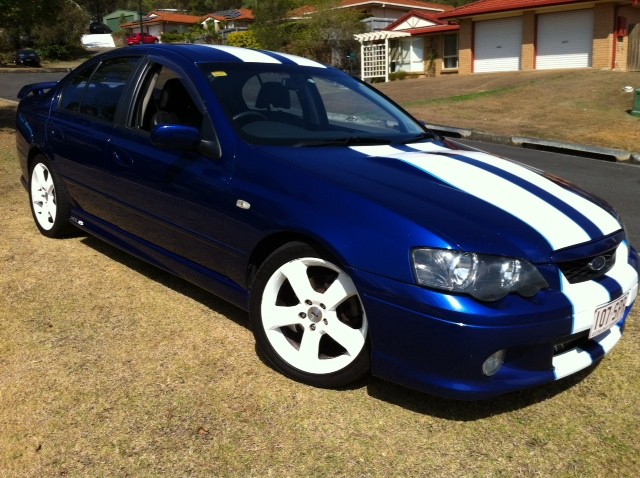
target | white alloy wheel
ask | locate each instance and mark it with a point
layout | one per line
(49, 199)
(312, 316)
(43, 197)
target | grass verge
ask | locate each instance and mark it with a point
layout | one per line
(460, 98)
(110, 367)
(579, 106)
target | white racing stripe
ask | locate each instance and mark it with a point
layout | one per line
(248, 56)
(577, 359)
(254, 56)
(429, 147)
(301, 61)
(586, 297)
(624, 273)
(600, 217)
(556, 227)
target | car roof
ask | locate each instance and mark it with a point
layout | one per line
(223, 53)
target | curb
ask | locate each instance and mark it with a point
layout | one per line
(593, 152)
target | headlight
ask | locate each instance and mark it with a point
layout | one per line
(485, 277)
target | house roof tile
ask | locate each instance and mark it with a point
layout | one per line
(413, 4)
(439, 26)
(496, 6)
(233, 14)
(173, 18)
(153, 18)
(402, 3)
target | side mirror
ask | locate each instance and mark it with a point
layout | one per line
(175, 136)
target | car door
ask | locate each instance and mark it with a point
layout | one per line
(175, 200)
(80, 126)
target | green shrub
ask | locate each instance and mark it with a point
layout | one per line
(173, 38)
(196, 34)
(245, 39)
(397, 75)
(6, 58)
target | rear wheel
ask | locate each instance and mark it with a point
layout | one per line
(49, 199)
(308, 319)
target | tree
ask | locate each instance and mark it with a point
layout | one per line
(59, 38)
(271, 29)
(327, 36)
(19, 17)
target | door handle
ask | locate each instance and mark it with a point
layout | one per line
(122, 159)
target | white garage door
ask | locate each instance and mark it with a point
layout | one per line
(498, 45)
(565, 40)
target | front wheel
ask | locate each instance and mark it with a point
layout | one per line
(49, 199)
(308, 319)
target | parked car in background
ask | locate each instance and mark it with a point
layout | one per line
(97, 27)
(357, 240)
(141, 38)
(27, 57)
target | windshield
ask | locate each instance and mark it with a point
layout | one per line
(299, 106)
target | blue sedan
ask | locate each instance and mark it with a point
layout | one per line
(358, 241)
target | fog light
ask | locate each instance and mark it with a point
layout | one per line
(493, 363)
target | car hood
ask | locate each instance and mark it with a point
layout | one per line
(462, 199)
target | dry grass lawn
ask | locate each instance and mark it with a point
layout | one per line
(110, 367)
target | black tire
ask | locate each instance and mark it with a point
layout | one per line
(292, 301)
(49, 199)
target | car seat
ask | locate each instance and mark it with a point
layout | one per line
(176, 106)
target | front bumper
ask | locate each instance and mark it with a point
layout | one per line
(437, 343)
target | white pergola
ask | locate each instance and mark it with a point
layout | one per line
(374, 53)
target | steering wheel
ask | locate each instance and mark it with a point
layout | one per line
(248, 116)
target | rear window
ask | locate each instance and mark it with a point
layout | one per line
(98, 94)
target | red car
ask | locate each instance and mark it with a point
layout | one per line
(140, 38)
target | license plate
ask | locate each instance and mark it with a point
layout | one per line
(608, 315)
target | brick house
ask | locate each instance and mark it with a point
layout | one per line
(395, 37)
(158, 22)
(511, 35)
(431, 48)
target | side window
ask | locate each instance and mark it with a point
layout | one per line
(106, 86)
(98, 93)
(72, 93)
(164, 99)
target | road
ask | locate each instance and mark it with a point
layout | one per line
(10, 82)
(617, 183)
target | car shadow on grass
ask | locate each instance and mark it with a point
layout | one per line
(378, 389)
(169, 280)
(7, 117)
(468, 411)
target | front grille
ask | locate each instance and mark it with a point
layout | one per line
(571, 342)
(581, 271)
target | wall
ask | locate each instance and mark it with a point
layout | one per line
(465, 45)
(622, 46)
(529, 25)
(603, 29)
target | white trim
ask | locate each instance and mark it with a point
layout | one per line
(379, 36)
